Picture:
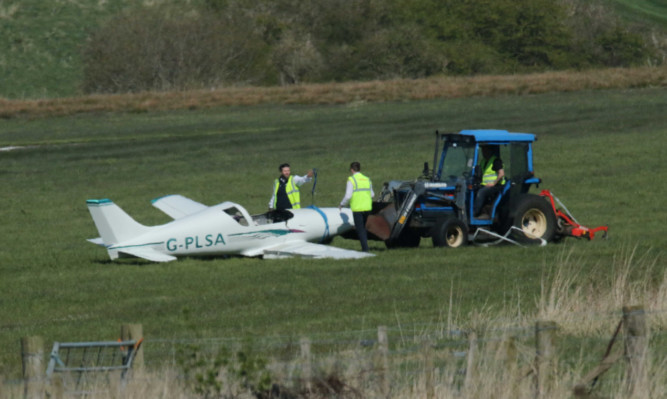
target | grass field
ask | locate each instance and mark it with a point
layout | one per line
(599, 151)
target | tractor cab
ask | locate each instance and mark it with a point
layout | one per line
(461, 164)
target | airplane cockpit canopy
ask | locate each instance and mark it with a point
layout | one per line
(238, 213)
(275, 216)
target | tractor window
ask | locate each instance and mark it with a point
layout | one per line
(457, 161)
(505, 155)
(516, 161)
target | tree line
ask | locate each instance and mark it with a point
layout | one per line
(214, 43)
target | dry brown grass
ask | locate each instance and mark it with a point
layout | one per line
(576, 302)
(342, 93)
(491, 373)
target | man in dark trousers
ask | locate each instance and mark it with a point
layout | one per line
(286, 189)
(359, 193)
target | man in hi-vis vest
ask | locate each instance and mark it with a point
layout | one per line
(493, 179)
(286, 189)
(359, 193)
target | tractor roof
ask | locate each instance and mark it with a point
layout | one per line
(497, 136)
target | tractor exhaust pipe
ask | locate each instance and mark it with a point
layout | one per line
(435, 154)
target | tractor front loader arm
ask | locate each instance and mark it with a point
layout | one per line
(404, 212)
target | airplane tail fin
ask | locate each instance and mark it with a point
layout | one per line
(113, 224)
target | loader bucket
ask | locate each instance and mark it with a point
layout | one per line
(381, 220)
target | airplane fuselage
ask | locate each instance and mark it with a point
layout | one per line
(227, 229)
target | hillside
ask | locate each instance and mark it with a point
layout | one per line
(641, 11)
(42, 43)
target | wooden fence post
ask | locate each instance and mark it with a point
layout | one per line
(508, 358)
(428, 368)
(470, 364)
(505, 352)
(134, 332)
(306, 366)
(383, 361)
(544, 340)
(32, 355)
(636, 345)
(57, 387)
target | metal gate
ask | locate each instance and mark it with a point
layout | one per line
(87, 367)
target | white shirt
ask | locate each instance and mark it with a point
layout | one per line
(298, 180)
(349, 189)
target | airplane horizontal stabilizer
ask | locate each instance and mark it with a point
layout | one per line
(178, 206)
(97, 241)
(147, 253)
(311, 250)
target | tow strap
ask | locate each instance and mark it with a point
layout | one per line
(312, 192)
(326, 222)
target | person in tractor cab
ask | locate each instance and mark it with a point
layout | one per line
(493, 179)
(286, 189)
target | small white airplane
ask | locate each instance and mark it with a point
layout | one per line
(224, 229)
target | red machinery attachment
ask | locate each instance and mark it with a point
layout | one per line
(567, 224)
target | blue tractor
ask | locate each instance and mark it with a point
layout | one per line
(441, 203)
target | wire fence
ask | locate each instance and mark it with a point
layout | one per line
(356, 351)
(399, 353)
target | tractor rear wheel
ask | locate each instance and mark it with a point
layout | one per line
(451, 233)
(535, 219)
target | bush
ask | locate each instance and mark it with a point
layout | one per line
(226, 42)
(149, 50)
(601, 39)
(296, 59)
(244, 371)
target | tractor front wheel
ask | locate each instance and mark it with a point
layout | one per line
(451, 233)
(535, 220)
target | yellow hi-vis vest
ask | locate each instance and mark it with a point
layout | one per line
(361, 200)
(490, 175)
(292, 193)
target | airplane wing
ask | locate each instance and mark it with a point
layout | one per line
(311, 250)
(178, 206)
(148, 253)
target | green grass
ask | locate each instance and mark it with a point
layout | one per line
(600, 152)
(40, 44)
